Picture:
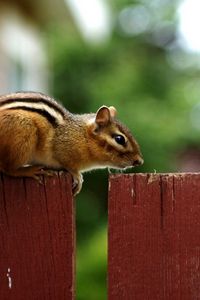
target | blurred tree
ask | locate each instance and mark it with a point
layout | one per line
(136, 72)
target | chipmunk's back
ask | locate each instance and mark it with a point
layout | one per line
(36, 103)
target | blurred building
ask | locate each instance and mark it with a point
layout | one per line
(23, 58)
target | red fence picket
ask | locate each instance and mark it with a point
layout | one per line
(154, 237)
(37, 239)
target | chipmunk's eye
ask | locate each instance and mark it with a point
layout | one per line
(120, 139)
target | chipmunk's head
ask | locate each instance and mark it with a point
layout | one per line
(113, 144)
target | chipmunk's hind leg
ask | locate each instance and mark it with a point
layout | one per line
(30, 171)
(17, 142)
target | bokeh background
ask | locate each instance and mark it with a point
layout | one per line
(140, 56)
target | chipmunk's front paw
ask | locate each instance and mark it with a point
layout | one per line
(77, 183)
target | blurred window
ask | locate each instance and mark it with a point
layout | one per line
(22, 56)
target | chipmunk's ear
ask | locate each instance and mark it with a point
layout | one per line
(113, 111)
(103, 116)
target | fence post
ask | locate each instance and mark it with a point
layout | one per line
(154, 237)
(37, 239)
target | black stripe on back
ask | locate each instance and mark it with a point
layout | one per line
(41, 112)
(49, 103)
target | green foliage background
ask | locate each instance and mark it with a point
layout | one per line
(153, 96)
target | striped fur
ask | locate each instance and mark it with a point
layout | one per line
(34, 102)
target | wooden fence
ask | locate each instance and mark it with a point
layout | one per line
(36, 239)
(153, 238)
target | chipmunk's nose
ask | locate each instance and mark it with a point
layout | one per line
(138, 161)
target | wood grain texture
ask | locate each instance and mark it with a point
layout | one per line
(37, 239)
(154, 237)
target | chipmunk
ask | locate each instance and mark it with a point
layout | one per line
(37, 133)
